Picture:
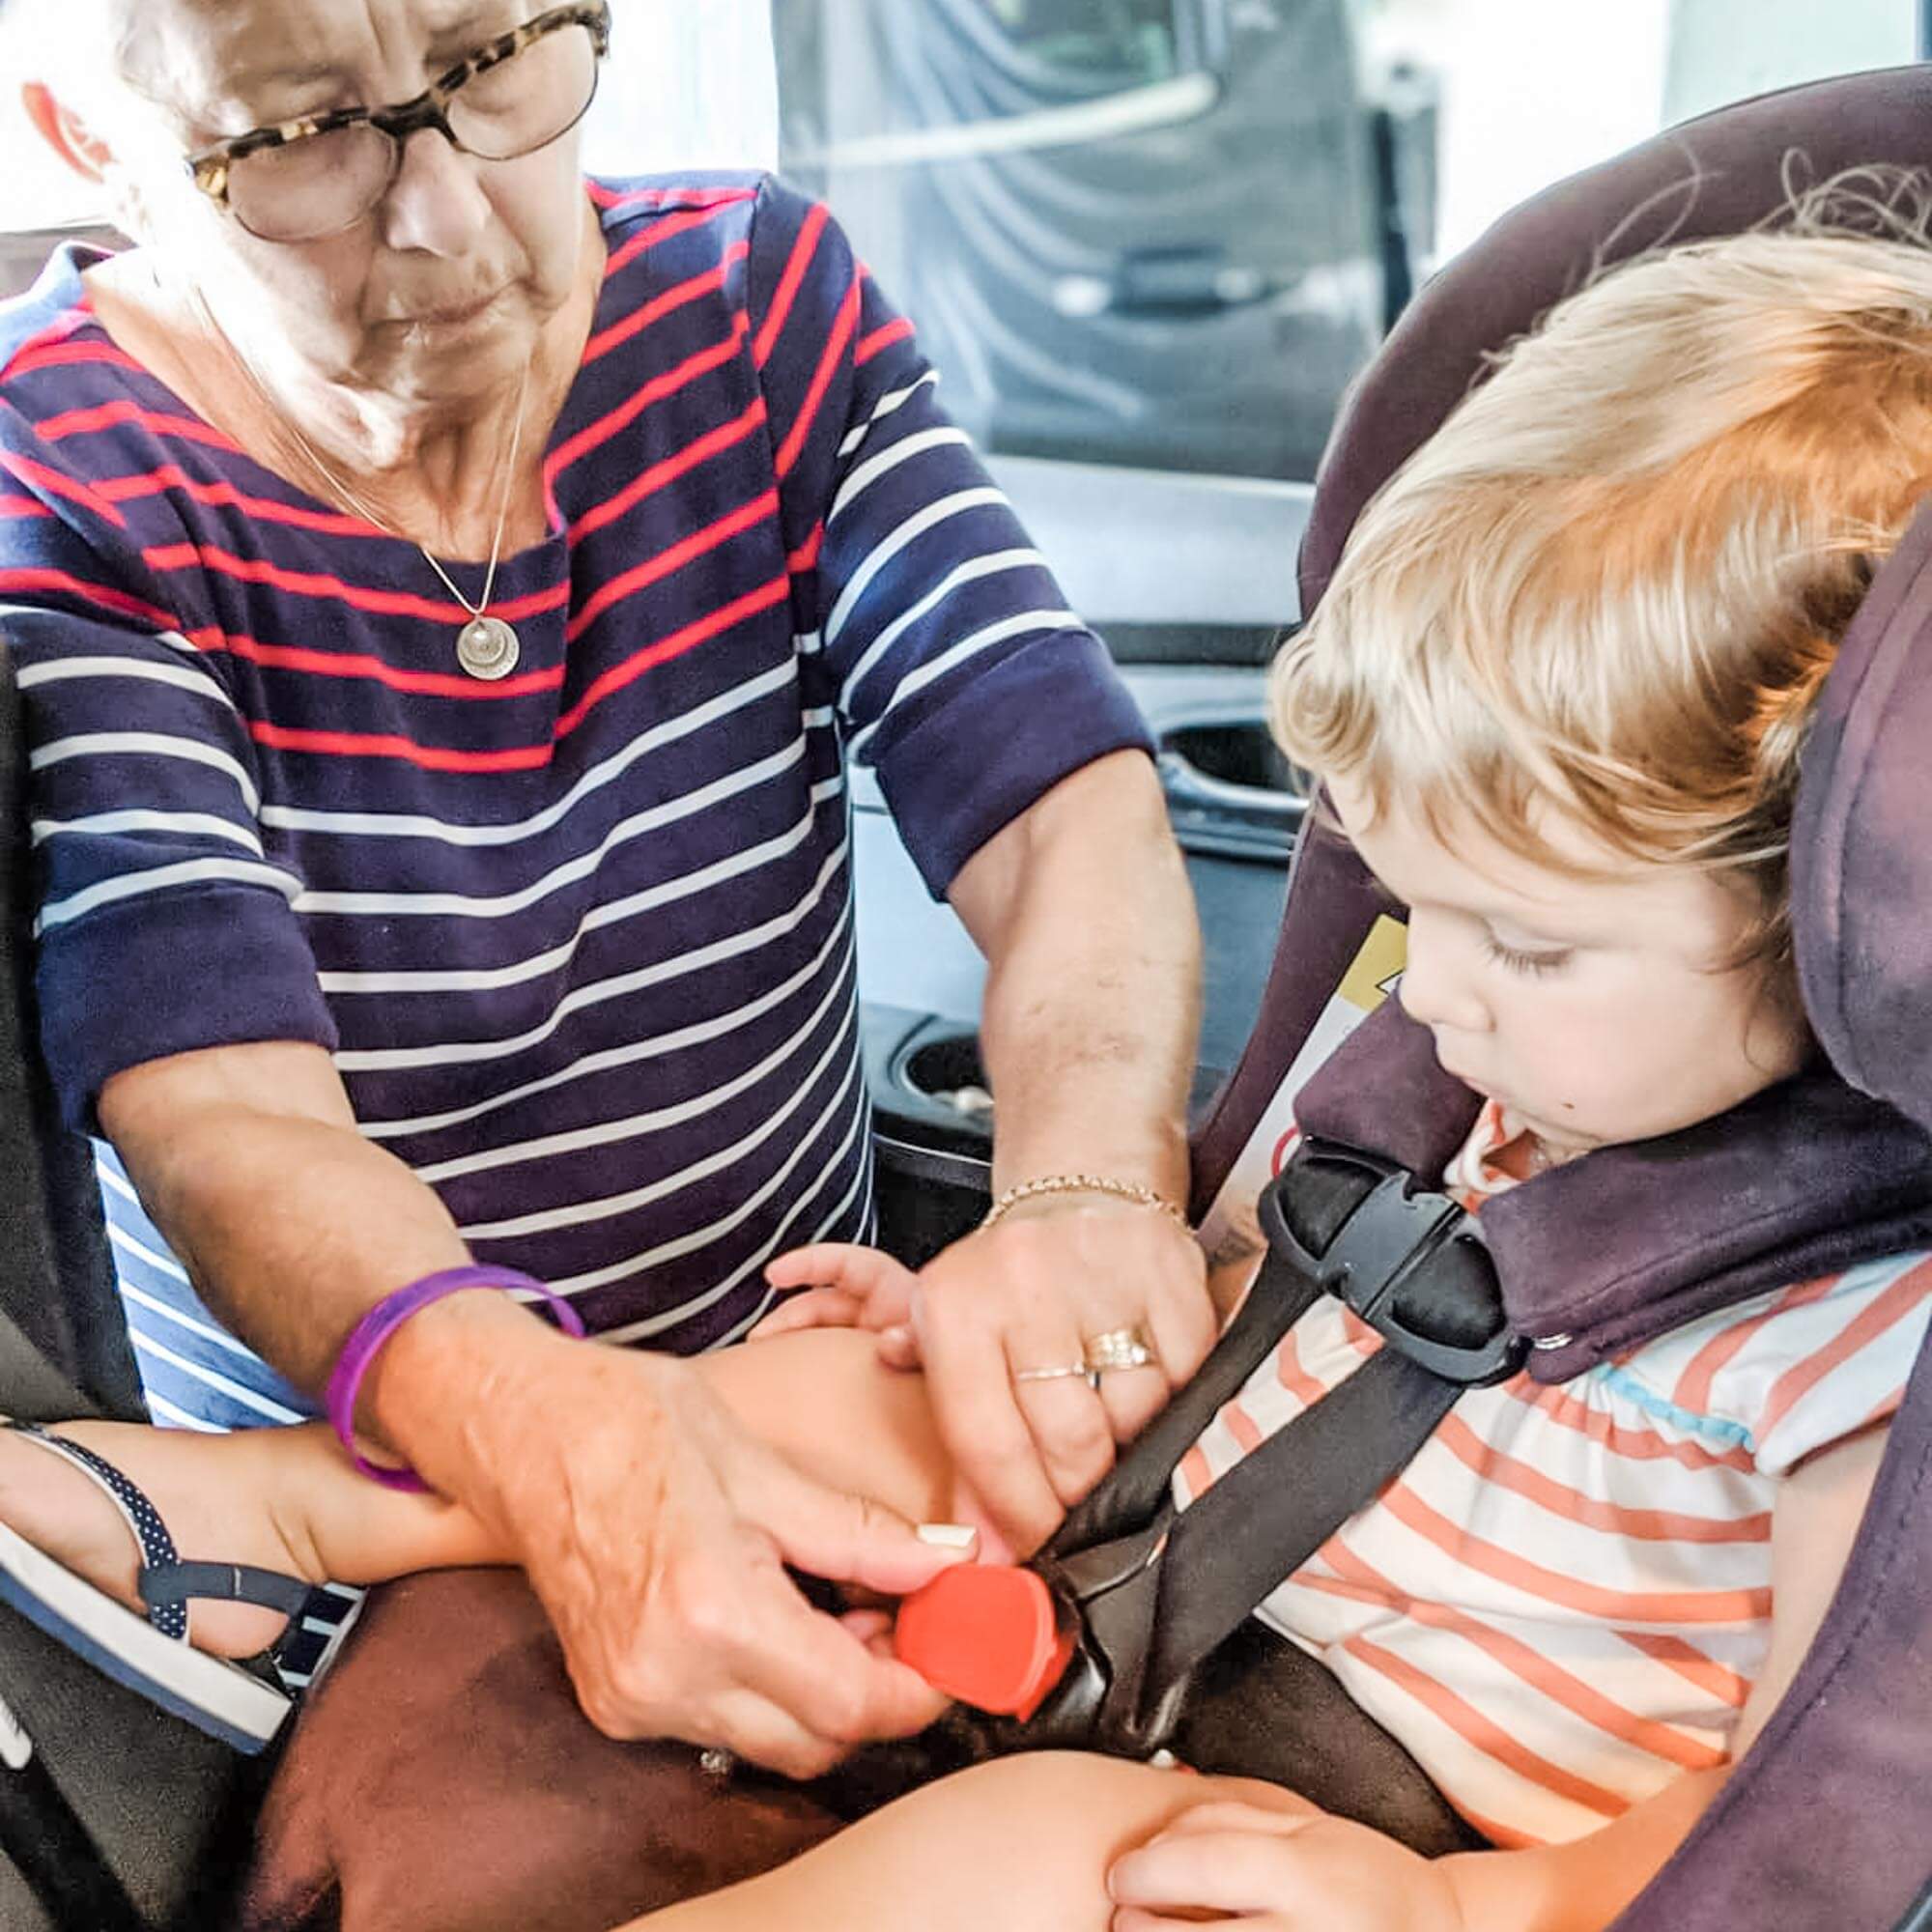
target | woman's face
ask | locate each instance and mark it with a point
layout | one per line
(440, 292)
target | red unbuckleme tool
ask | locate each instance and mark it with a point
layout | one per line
(987, 1635)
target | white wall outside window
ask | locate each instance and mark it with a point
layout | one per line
(1534, 89)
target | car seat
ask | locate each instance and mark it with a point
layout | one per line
(1828, 1822)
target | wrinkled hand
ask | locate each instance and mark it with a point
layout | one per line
(657, 1533)
(842, 1285)
(1033, 1292)
(1278, 1870)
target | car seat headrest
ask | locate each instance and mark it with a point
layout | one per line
(1862, 840)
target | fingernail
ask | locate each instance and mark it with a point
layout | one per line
(897, 1336)
(948, 1535)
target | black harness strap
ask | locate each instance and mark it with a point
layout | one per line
(1405, 1261)
(1277, 1506)
(1155, 1590)
(1136, 1489)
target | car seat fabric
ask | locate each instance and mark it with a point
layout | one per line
(1861, 862)
(1828, 1821)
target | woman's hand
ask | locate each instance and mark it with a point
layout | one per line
(658, 1533)
(1034, 1292)
(842, 1285)
(1277, 1871)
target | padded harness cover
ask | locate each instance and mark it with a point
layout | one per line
(1803, 1179)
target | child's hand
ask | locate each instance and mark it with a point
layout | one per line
(846, 1287)
(1278, 1871)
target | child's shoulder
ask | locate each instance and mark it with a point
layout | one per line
(1792, 1371)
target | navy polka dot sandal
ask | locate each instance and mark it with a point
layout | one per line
(152, 1654)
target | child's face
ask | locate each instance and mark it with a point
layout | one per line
(1598, 1009)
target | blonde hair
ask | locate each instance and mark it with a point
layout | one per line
(1612, 583)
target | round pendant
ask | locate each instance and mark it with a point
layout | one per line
(487, 647)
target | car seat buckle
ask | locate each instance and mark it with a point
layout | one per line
(1378, 1264)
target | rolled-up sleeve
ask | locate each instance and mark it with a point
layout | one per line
(929, 621)
(163, 924)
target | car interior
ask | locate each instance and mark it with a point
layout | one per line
(1189, 366)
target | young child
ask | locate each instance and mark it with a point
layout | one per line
(1555, 696)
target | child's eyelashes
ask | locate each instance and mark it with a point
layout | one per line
(1511, 958)
(1515, 960)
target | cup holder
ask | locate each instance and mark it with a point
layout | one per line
(932, 1129)
(950, 1074)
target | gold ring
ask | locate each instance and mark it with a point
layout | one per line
(1120, 1349)
(1087, 1375)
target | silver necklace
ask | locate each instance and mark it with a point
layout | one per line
(487, 647)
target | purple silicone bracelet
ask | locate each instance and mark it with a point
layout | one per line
(384, 1319)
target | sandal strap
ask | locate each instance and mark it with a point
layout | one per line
(143, 1518)
(168, 1586)
(165, 1582)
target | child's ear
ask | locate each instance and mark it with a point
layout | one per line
(65, 132)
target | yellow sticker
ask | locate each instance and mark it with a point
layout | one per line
(1378, 966)
(1231, 1227)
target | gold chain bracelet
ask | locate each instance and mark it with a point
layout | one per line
(1085, 1184)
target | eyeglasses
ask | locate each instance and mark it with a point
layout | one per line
(308, 178)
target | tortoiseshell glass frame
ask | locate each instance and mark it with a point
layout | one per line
(430, 110)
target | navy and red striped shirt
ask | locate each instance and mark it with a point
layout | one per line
(579, 941)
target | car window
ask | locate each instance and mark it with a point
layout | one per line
(1168, 233)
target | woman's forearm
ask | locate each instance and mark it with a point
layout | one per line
(289, 1222)
(292, 1225)
(819, 1397)
(1091, 1009)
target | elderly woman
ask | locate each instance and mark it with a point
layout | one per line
(444, 591)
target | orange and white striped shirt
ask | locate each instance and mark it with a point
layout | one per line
(1562, 1603)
